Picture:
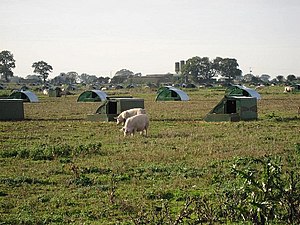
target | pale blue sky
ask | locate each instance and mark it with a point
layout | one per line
(149, 36)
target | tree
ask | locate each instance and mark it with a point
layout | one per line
(124, 73)
(103, 80)
(206, 72)
(118, 79)
(256, 80)
(121, 76)
(35, 78)
(248, 77)
(265, 78)
(59, 80)
(87, 79)
(71, 77)
(291, 78)
(229, 68)
(216, 66)
(280, 78)
(191, 69)
(198, 68)
(7, 63)
(43, 69)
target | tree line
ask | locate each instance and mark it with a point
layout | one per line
(203, 70)
(194, 70)
(43, 69)
(7, 63)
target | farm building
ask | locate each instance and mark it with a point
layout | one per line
(112, 107)
(153, 78)
(239, 90)
(169, 93)
(92, 96)
(27, 96)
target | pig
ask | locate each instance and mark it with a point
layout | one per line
(288, 89)
(137, 123)
(129, 113)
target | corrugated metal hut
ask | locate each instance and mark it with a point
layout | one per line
(233, 108)
(26, 96)
(239, 103)
(112, 107)
(92, 96)
(169, 93)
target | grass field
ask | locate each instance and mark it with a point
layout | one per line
(58, 168)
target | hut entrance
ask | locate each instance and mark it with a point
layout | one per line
(174, 94)
(112, 107)
(230, 106)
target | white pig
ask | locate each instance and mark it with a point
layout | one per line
(129, 113)
(137, 123)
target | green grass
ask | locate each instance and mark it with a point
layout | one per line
(58, 168)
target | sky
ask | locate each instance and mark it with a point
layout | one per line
(100, 37)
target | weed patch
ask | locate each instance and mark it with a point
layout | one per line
(51, 152)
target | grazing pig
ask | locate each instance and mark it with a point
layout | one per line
(288, 89)
(129, 113)
(137, 123)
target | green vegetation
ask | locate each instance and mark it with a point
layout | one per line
(58, 168)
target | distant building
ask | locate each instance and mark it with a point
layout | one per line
(153, 78)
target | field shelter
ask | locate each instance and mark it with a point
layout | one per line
(11, 109)
(92, 96)
(26, 96)
(112, 107)
(239, 103)
(233, 108)
(169, 93)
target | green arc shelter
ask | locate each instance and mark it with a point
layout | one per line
(26, 96)
(92, 96)
(169, 93)
(240, 90)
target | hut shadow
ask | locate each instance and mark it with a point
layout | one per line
(177, 119)
(287, 119)
(284, 119)
(54, 119)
